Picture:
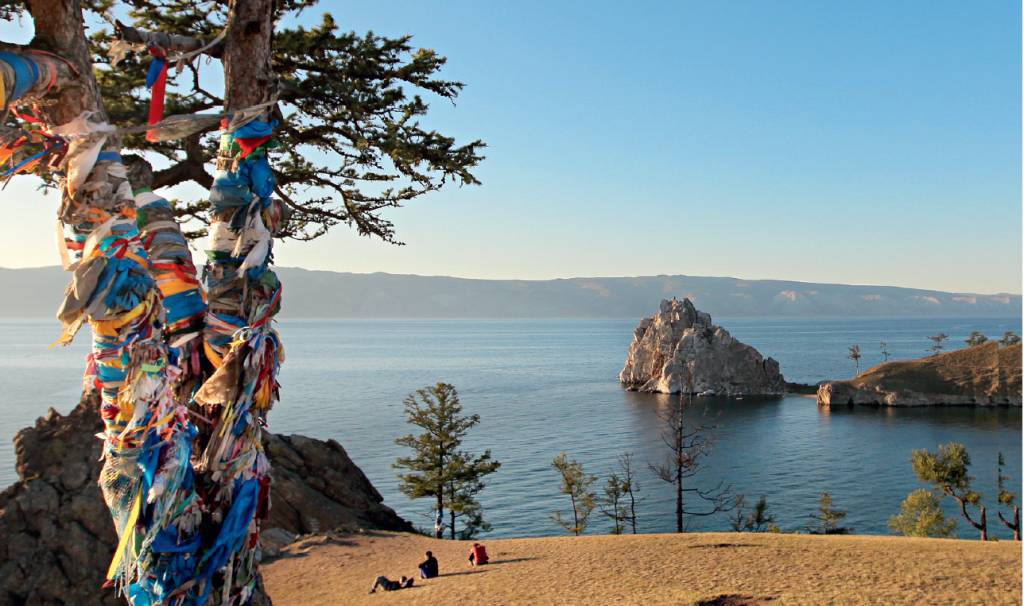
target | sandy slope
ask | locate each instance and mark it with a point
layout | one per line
(654, 569)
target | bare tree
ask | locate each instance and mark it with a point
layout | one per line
(688, 445)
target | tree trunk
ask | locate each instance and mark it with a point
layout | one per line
(679, 498)
(451, 515)
(130, 357)
(439, 520)
(244, 294)
(575, 516)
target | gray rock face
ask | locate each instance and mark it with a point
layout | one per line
(679, 349)
(56, 535)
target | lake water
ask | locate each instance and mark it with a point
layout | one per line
(546, 386)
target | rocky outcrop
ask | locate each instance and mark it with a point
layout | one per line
(983, 375)
(57, 535)
(679, 349)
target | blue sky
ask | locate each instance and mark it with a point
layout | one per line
(867, 142)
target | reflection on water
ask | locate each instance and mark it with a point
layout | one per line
(542, 387)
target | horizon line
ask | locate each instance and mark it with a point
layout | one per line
(478, 279)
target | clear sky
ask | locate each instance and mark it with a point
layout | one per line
(852, 142)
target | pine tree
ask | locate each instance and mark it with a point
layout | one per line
(921, 516)
(576, 483)
(438, 468)
(758, 520)
(613, 504)
(937, 343)
(828, 517)
(855, 356)
(1008, 499)
(947, 472)
(631, 489)
(976, 338)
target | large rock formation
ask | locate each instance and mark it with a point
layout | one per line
(680, 350)
(983, 375)
(57, 535)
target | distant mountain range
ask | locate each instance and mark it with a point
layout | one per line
(37, 292)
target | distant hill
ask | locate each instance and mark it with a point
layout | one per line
(36, 293)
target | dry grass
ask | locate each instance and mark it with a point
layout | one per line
(705, 568)
(983, 369)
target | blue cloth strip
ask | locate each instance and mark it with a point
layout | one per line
(26, 74)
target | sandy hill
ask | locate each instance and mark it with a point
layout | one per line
(698, 568)
(985, 375)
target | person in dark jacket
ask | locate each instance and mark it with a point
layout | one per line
(428, 567)
(388, 585)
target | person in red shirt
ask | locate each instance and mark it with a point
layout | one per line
(478, 555)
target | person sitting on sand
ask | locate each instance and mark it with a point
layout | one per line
(428, 567)
(478, 555)
(388, 585)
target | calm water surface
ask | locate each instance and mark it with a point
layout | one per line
(542, 387)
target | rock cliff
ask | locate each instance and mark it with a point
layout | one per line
(983, 375)
(680, 346)
(58, 535)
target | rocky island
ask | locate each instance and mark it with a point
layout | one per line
(679, 349)
(982, 375)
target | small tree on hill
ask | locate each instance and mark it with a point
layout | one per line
(885, 351)
(921, 516)
(688, 445)
(947, 472)
(855, 356)
(631, 488)
(613, 503)
(976, 338)
(1008, 499)
(937, 341)
(576, 483)
(1009, 338)
(828, 517)
(439, 469)
(758, 520)
(466, 480)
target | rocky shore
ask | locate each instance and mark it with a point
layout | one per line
(983, 375)
(679, 349)
(58, 535)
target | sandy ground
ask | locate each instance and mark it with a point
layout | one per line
(698, 568)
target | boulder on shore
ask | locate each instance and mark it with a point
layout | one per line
(983, 375)
(58, 536)
(679, 350)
